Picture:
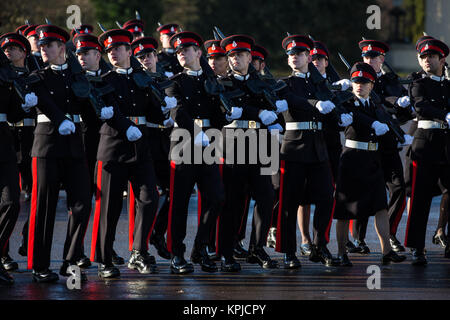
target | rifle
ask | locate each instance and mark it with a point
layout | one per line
(381, 113)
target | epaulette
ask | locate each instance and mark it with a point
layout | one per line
(106, 74)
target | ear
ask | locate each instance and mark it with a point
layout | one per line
(309, 58)
(263, 65)
(326, 63)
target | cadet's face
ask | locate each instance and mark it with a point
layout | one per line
(362, 90)
(34, 43)
(256, 64)
(375, 62)
(119, 56)
(89, 59)
(164, 38)
(51, 51)
(14, 53)
(299, 60)
(321, 64)
(239, 61)
(218, 64)
(188, 56)
(149, 60)
(430, 63)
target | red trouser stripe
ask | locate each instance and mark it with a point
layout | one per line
(98, 202)
(131, 215)
(32, 223)
(398, 217)
(350, 228)
(280, 207)
(169, 227)
(20, 181)
(327, 233)
(411, 203)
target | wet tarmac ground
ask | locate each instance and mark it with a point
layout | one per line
(313, 281)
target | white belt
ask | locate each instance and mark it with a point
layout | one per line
(138, 120)
(155, 125)
(75, 118)
(307, 125)
(202, 123)
(244, 124)
(2, 117)
(428, 124)
(370, 146)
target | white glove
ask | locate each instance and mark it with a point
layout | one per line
(403, 101)
(344, 83)
(168, 74)
(447, 118)
(236, 113)
(107, 113)
(380, 128)
(267, 117)
(346, 119)
(408, 140)
(201, 139)
(274, 127)
(282, 106)
(133, 133)
(171, 102)
(66, 127)
(168, 122)
(31, 100)
(325, 107)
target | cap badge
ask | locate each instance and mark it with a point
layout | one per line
(110, 40)
(360, 74)
(369, 48)
(172, 29)
(315, 51)
(178, 41)
(6, 40)
(234, 44)
(86, 30)
(41, 34)
(213, 47)
(78, 44)
(426, 47)
(136, 29)
(141, 47)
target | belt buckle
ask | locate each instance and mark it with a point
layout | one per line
(313, 125)
(252, 124)
(372, 146)
(199, 122)
(20, 123)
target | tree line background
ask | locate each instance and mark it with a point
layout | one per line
(340, 24)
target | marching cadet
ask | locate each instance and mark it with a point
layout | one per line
(57, 156)
(17, 48)
(136, 27)
(144, 49)
(195, 112)
(360, 187)
(373, 53)
(34, 60)
(217, 57)
(245, 179)
(167, 59)
(305, 170)
(82, 29)
(9, 174)
(124, 157)
(430, 149)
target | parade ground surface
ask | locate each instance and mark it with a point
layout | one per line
(312, 281)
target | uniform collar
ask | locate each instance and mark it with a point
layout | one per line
(59, 67)
(324, 75)
(94, 73)
(379, 74)
(168, 50)
(124, 70)
(36, 53)
(301, 75)
(241, 78)
(362, 100)
(436, 78)
(193, 73)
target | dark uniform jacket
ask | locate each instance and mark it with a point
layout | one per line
(168, 62)
(431, 102)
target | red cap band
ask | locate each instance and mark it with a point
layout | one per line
(143, 47)
(114, 39)
(363, 74)
(9, 40)
(238, 45)
(371, 48)
(257, 54)
(51, 35)
(318, 51)
(297, 44)
(87, 44)
(181, 41)
(435, 48)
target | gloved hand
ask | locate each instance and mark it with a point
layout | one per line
(403, 101)
(66, 127)
(236, 113)
(408, 140)
(168, 122)
(380, 128)
(31, 100)
(133, 133)
(171, 102)
(107, 113)
(325, 107)
(282, 105)
(168, 74)
(274, 127)
(344, 83)
(447, 118)
(201, 139)
(346, 119)
(267, 117)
